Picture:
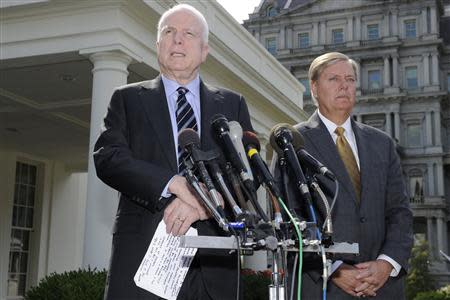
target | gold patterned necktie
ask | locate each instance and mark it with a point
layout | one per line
(346, 154)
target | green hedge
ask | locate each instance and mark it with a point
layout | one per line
(74, 285)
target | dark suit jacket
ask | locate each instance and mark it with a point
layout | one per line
(135, 154)
(381, 224)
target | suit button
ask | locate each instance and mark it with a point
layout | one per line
(362, 220)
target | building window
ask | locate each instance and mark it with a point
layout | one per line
(303, 40)
(374, 79)
(410, 28)
(305, 83)
(21, 229)
(416, 188)
(373, 32)
(414, 135)
(338, 36)
(271, 11)
(271, 45)
(411, 77)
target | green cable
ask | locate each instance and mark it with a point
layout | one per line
(300, 249)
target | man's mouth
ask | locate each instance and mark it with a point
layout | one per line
(177, 54)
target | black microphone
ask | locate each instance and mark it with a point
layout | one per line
(283, 137)
(189, 140)
(314, 164)
(219, 123)
(252, 146)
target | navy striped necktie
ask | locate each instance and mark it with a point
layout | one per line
(185, 119)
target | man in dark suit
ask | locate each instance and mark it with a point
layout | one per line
(372, 207)
(137, 155)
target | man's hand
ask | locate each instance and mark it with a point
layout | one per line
(373, 275)
(179, 216)
(345, 277)
(181, 189)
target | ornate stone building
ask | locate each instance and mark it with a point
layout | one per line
(403, 52)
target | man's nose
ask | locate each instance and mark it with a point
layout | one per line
(344, 84)
(178, 37)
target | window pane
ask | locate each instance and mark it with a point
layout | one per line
(305, 83)
(372, 32)
(303, 40)
(411, 77)
(374, 80)
(414, 135)
(271, 11)
(410, 28)
(271, 45)
(338, 36)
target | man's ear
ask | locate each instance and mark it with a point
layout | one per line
(313, 88)
(205, 51)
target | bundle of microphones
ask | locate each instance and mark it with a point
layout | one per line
(237, 170)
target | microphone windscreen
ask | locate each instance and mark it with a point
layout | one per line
(297, 138)
(219, 123)
(188, 136)
(250, 138)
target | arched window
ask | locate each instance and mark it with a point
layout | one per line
(271, 11)
(416, 186)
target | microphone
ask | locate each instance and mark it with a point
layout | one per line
(283, 137)
(189, 140)
(236, 135)
(220, 124)
(252, 146)
(314, 164)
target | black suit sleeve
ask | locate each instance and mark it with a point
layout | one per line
(399, 235)
(115, 161)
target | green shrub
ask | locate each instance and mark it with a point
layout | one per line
(441, 294)
(255, 284)
(74, 285)
(419, 279)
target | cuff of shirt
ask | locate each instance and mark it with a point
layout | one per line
(396, 267)
(165, 193)
(335, 265)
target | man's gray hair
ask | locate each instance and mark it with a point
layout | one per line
(322, 62)
(192, 10)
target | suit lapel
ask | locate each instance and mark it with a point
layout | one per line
(323, 145)
(366, 163)
(211, 103)
(154, 101)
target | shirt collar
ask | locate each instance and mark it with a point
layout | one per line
(171, 86)
(332, 126)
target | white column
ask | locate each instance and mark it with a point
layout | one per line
(440, 179)
(359, 118)
(349, 37)
(424, 27)
(430, 236)
(257, 36)
(358, 74)
(387, 79)
(394, 24)
(437, 128)
(110, 71)
(386, 25)
(431, 189)
(397, 126)
(388, 124)
(395, 70)
(428, 129)
(322, 34)
(289, 37)
(282, 39)
(433, 20)
(440, 234)
(426, 70)
(358, 28)
(315, 34)
(434, 69)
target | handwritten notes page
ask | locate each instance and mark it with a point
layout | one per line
(165, 265)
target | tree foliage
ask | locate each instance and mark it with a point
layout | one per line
(419, 278)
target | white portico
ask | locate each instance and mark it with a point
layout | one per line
(59, 64)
